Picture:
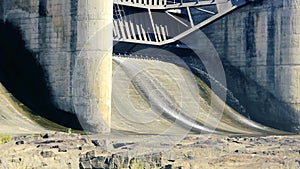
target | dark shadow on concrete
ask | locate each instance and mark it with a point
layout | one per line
(191, 61)
(245, 95)
(21, 75)
(261, 105)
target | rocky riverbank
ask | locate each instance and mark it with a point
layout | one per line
(68, 150)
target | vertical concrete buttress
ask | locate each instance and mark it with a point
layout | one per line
(92, 77)
(260, 43)
(72, 41)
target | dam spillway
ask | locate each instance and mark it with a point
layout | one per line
(12, 120)
(56, 36)
(146, 107)
(150, 108)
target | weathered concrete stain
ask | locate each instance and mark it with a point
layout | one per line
(57, 31)
(260, 44)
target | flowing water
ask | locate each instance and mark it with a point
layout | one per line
(151, 97)
(158, 97)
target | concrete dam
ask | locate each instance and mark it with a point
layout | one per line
(148, 67)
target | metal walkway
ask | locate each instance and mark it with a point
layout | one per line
(159, 22)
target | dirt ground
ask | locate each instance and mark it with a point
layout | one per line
(69, 150)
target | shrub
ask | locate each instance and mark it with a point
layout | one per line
(5, 139)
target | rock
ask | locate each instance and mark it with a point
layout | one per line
(188, 156)
(16, 160)
(114, 162)
(85, 165)
(171, 156)
(90, 155)
(82, 158)
(156, 159)
(99, 162)
(84, 140)
(48, 142)
(73, 135)
(45, 136)
(118, 145)
(44, 164)
(20, 138)
(56, 146)
(98, 143)
(69, 165)
(62, 150)
(19, 142)
(169, 166)
(47, 154)
(125, 162)
(236, 141)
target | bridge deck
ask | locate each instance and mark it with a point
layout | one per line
(159, 22)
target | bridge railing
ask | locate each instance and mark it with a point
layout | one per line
(159, 22)
(162, 3)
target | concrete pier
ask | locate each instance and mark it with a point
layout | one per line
(92, 74)
(63, 34)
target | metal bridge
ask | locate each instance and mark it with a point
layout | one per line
(159, 22)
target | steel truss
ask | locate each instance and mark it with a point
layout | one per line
(159, 22)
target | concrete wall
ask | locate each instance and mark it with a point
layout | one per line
(57, 31)
(49, 29)
(260, 46)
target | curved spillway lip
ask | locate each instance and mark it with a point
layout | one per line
(176, 113)
(19, 119)
(159, 99)
(245, 121)
(14, 121)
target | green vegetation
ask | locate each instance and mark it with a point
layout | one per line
(137, 163)
(143, 163)
(69, 131)
(5, 138)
